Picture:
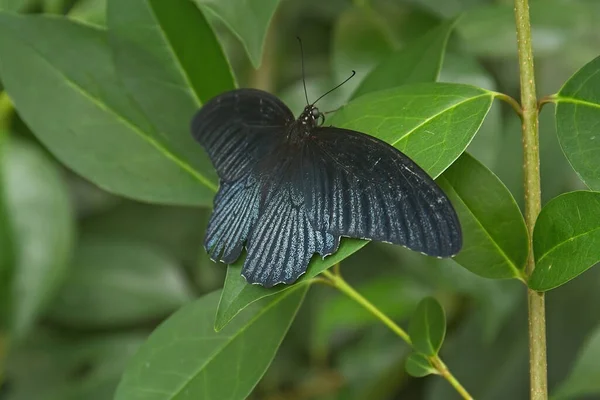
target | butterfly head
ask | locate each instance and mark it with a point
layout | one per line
(311, 116)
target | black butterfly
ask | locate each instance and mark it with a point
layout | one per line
(290, 187)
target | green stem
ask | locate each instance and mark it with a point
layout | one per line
(349, 291)
(531, 168)
(438, 364)
(339, 283)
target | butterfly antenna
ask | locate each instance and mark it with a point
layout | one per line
(303, 75)
(347, 79)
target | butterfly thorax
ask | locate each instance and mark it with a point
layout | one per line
(310, 118)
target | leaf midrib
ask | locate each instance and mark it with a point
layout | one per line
(564, 242)
(573, 100)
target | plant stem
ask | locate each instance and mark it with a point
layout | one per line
(437, 362)
(339, 283)
(531, 167)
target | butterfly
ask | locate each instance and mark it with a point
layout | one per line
(291, 187)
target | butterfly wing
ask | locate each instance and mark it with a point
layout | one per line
(283, 240)
(358, 186)
(238, 129)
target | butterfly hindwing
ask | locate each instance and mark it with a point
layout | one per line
(236, 210)
(359, 186)
(239, 128)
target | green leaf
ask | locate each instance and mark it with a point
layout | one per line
(495, 243)
(577, 115)
(437, 122)
(566, 239)
(118, 282)
(70, 368)
(554, 24)
(247, 19)
(75, 104)
(186, 359)
(432, 123)
(361, 40)
(39, 212)
(420, 61)
(418, 365)
(583, 379)
(392, 295)
(170, 62)
(427, 327)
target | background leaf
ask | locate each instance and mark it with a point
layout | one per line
(186, 359)
(577, 115)
(247, 19)
(117, 282)
(582, 380)
(39, 213)
(495, 243)
(418, 365)
(420, 61)
(100, 132)
(72, 368)
(566, 239)
(427, 327)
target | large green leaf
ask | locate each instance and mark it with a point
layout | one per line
(431, 123)
(186, 359)
(495, 243)
(566, 239)
(119, 282)
(577, 116)
(39, 212)
(583, 379)
(170, 62)
(427, 327)
(247, 19)
(75, 104)
(420, 61)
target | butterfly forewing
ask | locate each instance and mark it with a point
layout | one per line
(362, 187)
(239, 128)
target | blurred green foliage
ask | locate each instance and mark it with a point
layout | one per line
(86, 275)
